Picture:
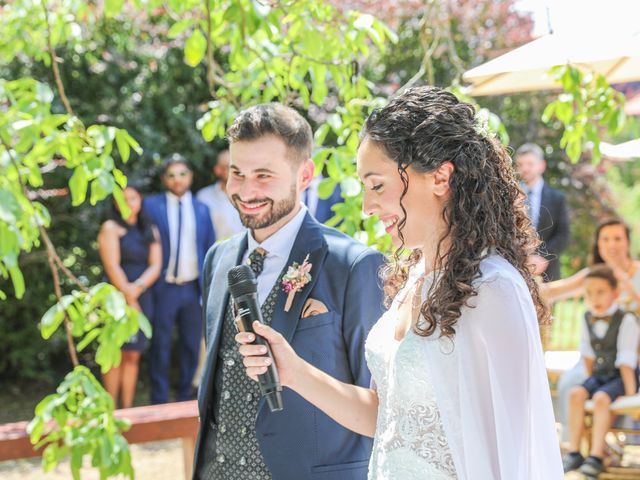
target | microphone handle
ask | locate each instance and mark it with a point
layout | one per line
(247, 311)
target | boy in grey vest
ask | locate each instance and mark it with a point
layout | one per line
(609, 349)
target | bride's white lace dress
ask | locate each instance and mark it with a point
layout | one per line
(475, 408)
(410, 443)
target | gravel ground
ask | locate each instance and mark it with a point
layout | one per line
(151, 461)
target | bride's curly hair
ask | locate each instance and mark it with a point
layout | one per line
(422, 128)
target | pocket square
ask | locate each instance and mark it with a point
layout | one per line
(313, 307)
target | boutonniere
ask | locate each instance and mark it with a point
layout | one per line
(295, 279)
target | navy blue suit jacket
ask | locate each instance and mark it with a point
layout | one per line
(301, 442)
(323, 209)
(553, 228)
(155, 207)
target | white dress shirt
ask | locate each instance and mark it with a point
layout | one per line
(627, 343)
(534, 196)
(224, 216)
(278, 247)
(188, 261)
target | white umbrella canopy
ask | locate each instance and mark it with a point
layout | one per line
(526, 68)
(622, 151)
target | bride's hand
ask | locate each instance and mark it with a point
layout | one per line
(255, 361)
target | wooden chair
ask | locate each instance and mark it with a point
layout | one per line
(629, 406)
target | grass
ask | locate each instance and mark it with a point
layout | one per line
(566, 325)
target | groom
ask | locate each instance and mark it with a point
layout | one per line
(326, 322)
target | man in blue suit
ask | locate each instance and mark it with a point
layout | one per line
(186, 233)
(327, 321)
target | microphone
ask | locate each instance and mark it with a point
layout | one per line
(243, 287)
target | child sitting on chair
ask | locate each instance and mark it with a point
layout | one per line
(609, 349)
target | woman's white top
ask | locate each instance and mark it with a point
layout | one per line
(477, 407)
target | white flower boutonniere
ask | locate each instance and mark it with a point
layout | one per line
(295, 279)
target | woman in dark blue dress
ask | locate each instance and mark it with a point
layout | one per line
(132, 258)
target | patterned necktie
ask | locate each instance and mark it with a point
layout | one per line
(256, 260)
(528, 203)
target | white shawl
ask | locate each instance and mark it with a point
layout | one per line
(491, 384)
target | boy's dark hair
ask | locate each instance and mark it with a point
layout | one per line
(173, 159)
(277, 120)
(605, 273)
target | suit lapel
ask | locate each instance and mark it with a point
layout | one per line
(164, 215)
(218, 291)
(308, 242)
(197, 222)
(218, 298)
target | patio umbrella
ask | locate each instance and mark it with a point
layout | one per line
(632, 106)
(622, 151)
(525, 69)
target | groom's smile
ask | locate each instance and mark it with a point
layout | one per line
(253, 206)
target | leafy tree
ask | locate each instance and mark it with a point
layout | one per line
(253, 53)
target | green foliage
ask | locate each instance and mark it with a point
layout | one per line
(24, 28)
(101, 314)
(32, 137)
(487, 122)
(303, 54)
(78, 420)
(587, 107)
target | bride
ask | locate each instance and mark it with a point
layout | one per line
(459, 384)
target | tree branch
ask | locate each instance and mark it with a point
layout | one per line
(54, 63)
(210, 74)
(52, 258)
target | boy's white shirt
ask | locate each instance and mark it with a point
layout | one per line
(627, 342)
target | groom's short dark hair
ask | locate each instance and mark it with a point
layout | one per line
(278, 120)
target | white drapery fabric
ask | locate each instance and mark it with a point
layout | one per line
(491, 384)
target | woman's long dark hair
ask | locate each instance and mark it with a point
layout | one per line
(422, 128)
(596, 258)
(144, 223)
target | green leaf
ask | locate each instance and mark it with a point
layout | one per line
(113, 7)
(144, 325)
(18, 281)
(101, 188)
(350, 187)
(115, 304)
(195, 48)
(88, 338)
(119, 177)
(179, 27)
(326, 187)
(98, 293)
(320, 158)
(9, 207)
(54, 317)
(118, 195)
(123, 145)
(78, 184)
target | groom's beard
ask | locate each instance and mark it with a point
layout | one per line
(275, 212)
